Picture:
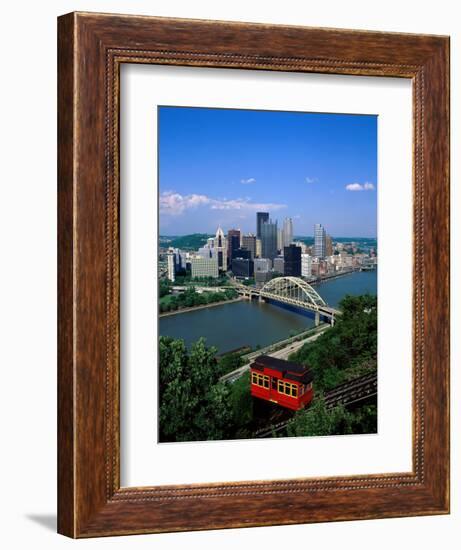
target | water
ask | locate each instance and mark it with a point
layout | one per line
(362, 282)
(231, 326)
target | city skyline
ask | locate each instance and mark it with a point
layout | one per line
(220, 167)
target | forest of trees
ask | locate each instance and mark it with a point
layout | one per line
(194, 406)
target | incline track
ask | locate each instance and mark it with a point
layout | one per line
(353, 391)
(345, 394)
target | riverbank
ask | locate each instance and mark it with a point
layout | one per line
(341, 274)
(196, 308)
(332, 277)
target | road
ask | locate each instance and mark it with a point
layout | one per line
(280, 354)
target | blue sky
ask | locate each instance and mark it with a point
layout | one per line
(221, 166)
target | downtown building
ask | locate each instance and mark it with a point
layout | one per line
(280, 240)
(303, 246)
(319, 241)
(269, 240)
(249, 243)
(279, 265)
(171, 267)
(176, 262)
(233, 242)
(292, 261)
(306, 265)
(262, 271)
(242, 264)
(204, 267)
(220, 247)
(258, 248)
(287, 232)
(206, 252)
(261, 217)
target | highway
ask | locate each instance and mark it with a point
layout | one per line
(280, 354)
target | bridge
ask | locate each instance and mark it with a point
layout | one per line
(295, 292)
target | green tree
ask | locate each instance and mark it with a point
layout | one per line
(230, 294)
(164, 287)
(229, 362)
(365, 420)
(242, 407)
(318, 420)
(194, 406)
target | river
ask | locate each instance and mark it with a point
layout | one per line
(246, 323)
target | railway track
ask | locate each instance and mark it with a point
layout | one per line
(353, 391)
(345, 394)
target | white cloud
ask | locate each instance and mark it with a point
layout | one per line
(311, 180)
(367, 186)
(248, 181)
(174, 204)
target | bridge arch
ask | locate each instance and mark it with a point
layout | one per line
(293, 289)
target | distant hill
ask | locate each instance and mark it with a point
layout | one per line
(185, 242)
(196, 240)
(306, 240)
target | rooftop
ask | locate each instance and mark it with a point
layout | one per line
(289, 370)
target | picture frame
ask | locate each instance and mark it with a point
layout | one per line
(91, 49)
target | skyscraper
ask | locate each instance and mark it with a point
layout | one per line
(176, 262)
(287, 232)
(261, 217)
(171, 266)
(242, 268)
(242, 265)
(319, 241)
(280, 240)
(269, 240)
(258, 248)
(249, 242)
(328, 246)
(220, 246)
(292, 264)
(242, 253)
(279, 265)
(306, 265)
(233, 242)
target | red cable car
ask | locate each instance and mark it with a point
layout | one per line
(282, 382)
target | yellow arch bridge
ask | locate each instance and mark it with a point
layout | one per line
(295, 292)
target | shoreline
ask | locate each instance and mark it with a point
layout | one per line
(197, 308)
(335, 276)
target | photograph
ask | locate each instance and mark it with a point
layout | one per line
(267, 274)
